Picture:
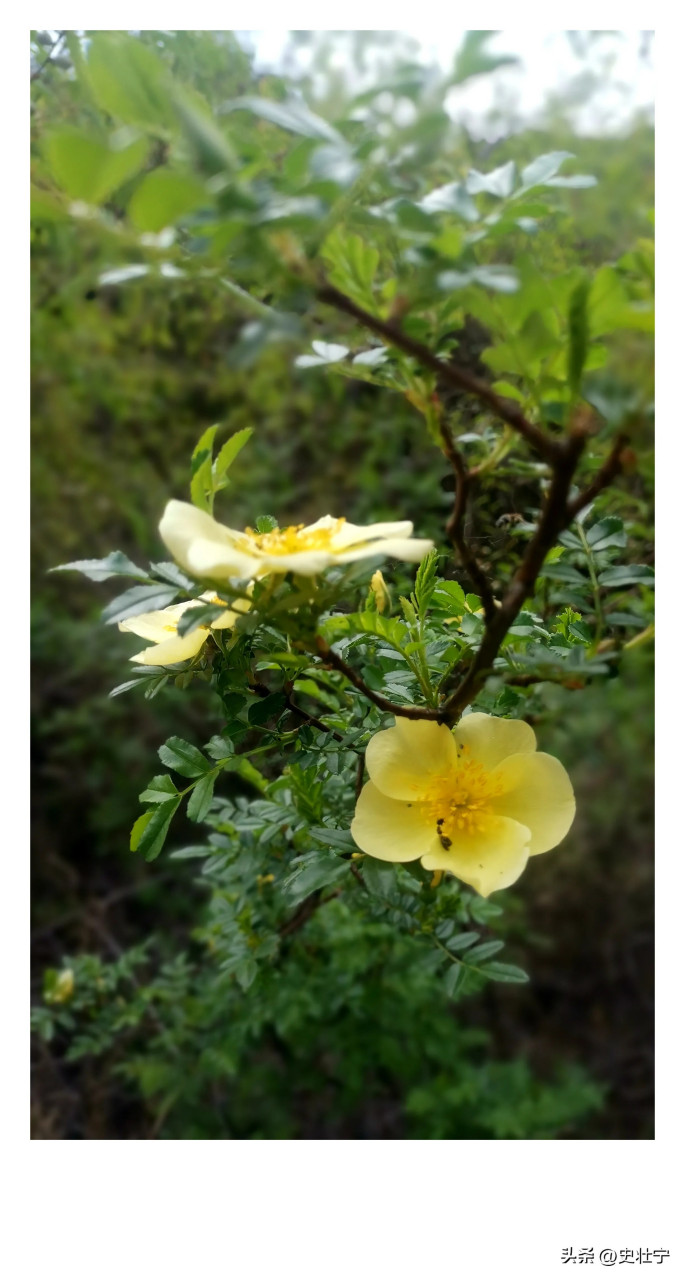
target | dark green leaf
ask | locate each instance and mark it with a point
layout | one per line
(138, 600)
(183, 757)
(499, 972)
(116, 563)
(150, 831)
(379, 878)
(159, 790)
(626, 575)
(266, 708)
(200, 798)
(454, 979)
(577, 335)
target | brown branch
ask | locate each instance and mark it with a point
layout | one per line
(462, 379)
(455, 524)
(553, 519)
(305, 912)
(611, 467)
(333, 659)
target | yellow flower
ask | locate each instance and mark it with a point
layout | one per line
(477, 800)
(211, 550)
(161, 626)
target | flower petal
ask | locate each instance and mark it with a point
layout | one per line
(490, 739)
(393, 830)
(157, 625)
(183, 524)
(487, 860)
(308, 563)
(538, 792)
(412, 549)
(355, 534)
(175, 649)
(404, 761)
(212, 558)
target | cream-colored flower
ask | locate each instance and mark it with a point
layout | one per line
(161, 626)
(476, 800)
(211, 550)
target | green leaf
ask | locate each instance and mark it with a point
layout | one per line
(87, 168)
(541, 170)
(379, 878)
(150, 830)
(609, 532)
(159, 790)
(265, 524)
(128, 80)
(449, 597)
(219, 747)
(262, 711)
(163, 197)
(485, 950)
(138, 600)
(116, 563)
(201, 487)
(183, 757)
(577, 335)
(426, 578)
(389, 629)
(451, 198)
(229, 452)
(454, 979)
(200, 798)
(499, 182)
(627, 575)
(210, 149)
(334, 838)
(500, 972)
(312, 872)
(293, 116)
(202, 616)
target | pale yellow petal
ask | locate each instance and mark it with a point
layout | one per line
(351, 535)
(183, 524)
(404, 761)
(412, 549)
(393, 830)
(538, 792)
(218, 558)
(175, 649)
(487, 860)
(157, 625)
(489, 739)
(307, 563)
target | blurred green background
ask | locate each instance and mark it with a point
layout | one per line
(124, 381)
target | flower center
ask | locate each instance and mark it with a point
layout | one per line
(283, 542)
(459, 802)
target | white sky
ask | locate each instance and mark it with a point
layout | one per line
(549, 62)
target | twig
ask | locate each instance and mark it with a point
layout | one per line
(333, 659)
(462, 379)
(41, 67)
(607, 472)
(553, 519)
(455, 524)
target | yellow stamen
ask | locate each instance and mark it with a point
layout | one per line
(459, 802)
(283, 542)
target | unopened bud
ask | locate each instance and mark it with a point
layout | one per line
(380, 591)
(59, 987)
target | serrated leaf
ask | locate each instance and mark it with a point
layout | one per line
(200, 798)
(500, 972)
(182, 756)
(159, 790)
(113, 565)
(627, 575)
(219, 747)
(379, 877)
(138, 600)
(229, 452)
(389, 629)
(147, 837)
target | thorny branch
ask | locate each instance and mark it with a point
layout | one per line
(543, 444)
(562, 456)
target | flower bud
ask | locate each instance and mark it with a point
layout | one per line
(380, 591)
